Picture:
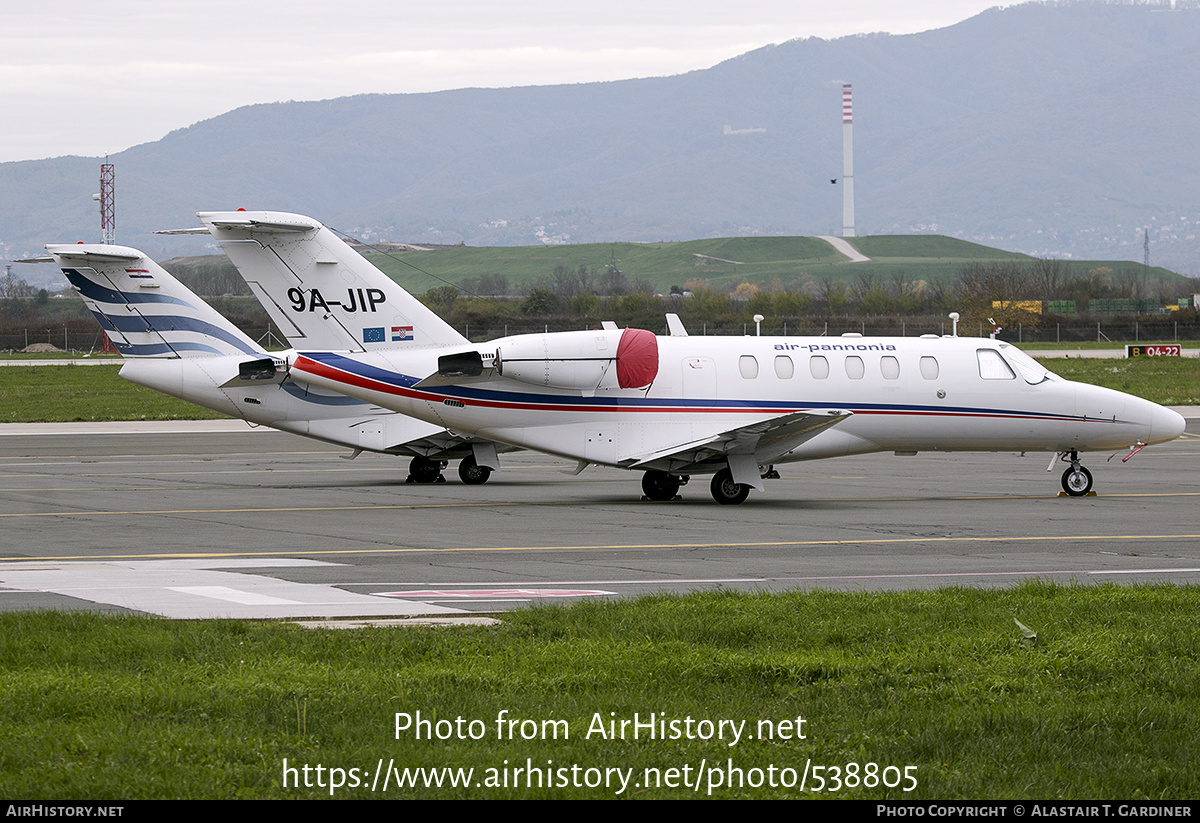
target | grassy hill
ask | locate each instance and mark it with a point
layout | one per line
(788, 262)
(722, 262)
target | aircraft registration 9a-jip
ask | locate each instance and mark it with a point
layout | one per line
(673, 406)
(174, 342)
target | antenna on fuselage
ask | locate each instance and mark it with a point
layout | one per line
(954, 320)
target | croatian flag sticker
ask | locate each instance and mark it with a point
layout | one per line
(402, 333)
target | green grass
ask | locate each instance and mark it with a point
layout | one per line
(60, 355)
(1104, 704)
(929, 247)
(1170, 381)
(63, 394)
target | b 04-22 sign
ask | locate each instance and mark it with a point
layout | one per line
(1165, 350)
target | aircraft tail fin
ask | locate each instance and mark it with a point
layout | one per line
(143, 310)
(320, 292)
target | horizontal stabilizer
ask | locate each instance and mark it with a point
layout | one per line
(278, 224)
(96, 254)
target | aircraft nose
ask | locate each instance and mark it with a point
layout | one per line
(1165, 425)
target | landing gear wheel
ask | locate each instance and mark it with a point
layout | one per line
(658, 485)
(1077, 481)
(725, 491)
(472, 473)
(424, 470)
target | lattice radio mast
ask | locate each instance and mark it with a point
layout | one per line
(108, 204)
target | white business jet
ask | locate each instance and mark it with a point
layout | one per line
(174, 342)
(674, 406)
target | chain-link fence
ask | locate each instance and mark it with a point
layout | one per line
(68, 338)
(1116, 330)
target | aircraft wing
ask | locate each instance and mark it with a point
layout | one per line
(765, 442)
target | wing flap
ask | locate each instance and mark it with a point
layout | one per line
(764, 442)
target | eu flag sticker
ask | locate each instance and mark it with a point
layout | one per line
(373, 335)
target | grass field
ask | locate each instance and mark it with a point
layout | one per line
(1170, 381)
(1102, 705)
(64, 394)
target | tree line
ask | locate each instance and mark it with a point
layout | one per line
(980, 292)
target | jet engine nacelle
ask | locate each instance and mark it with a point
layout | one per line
(583, 360)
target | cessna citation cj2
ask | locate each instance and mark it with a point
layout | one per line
(676, 406)
(174, 342)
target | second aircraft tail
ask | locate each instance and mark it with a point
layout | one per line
(143, 310)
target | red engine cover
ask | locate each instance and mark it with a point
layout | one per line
(637, 359)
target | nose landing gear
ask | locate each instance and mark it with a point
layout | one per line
(1076, 480)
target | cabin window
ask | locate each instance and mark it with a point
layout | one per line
(819, 367)
(992, 365)
(748, 366)
(855, 368)
(784, 368)
(929, 368)
(890, 367)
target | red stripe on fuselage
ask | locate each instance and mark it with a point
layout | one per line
(314, 367)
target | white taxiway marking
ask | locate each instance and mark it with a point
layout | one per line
(234, 595)
(206, 588)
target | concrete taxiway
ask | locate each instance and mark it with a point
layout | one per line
(234, 522)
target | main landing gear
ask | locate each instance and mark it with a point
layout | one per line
(472, 473)
(424, 470)
(1076, 480)
(658, 485)
(725, 491)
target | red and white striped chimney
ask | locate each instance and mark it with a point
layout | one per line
(847, 162)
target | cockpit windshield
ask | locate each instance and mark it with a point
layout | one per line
(1031, 370)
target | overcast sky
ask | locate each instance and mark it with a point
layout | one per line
(88, 77)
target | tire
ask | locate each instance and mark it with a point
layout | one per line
(1077, 483)
(472, 473)
(424, 470)
(725, 491)
(658, 485)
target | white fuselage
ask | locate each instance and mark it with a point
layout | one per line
(906, 394)
(213, 382)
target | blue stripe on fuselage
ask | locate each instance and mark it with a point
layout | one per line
(567, 402)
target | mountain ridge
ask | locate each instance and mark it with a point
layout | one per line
(1053, 129)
